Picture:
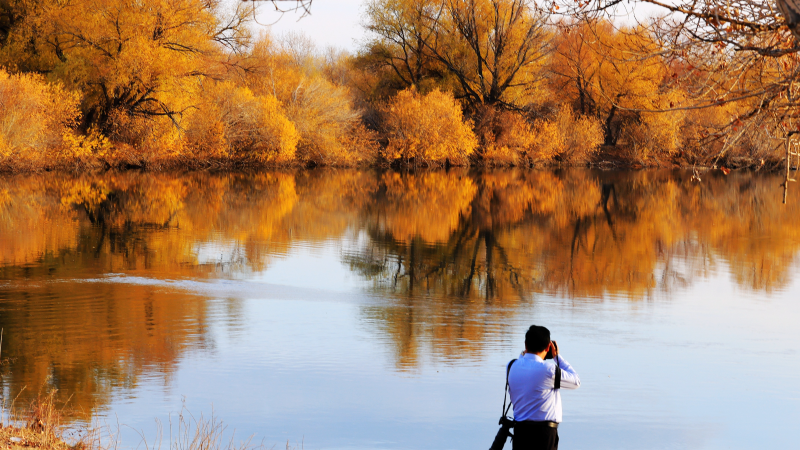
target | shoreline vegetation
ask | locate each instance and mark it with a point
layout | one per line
(49, 423)
(161, 84)
(40, 425)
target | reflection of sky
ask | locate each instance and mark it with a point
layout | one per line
(315, 266)
(711, 367)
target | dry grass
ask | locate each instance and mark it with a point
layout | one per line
(40, 425)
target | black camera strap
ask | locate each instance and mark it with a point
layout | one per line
(505, 393)
(558, 375)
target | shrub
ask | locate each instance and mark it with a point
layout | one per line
(323, 111)
(84, 148)
(567, 137)
(232, 122)
(713, 135)
(329, 125)
(35, 116)
(427, 129)
(142, 139)
(507, 138)
(654, 135)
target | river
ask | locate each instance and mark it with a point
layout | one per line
(347, 309)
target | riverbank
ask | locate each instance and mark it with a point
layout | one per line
(411, 129)
(37, 425)
(15, 438)
(605, 158)
(43, 425)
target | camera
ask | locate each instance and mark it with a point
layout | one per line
(549, 354)
(502, 434)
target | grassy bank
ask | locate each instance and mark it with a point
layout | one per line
(13, 438)
(42, 425)
(37, 425)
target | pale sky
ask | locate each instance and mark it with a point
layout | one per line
(337, 23)
(331, 23)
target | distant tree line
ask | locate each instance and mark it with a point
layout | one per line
(159, 83)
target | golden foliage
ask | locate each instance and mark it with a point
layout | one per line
(35, 118)
(182, 82)
(654, 134)
(488, 52)
(82, 146)
(427, 130)
(232, 122)
(305, 82)
(604, 71)
(507, 138)
(397, 56)
(147, 139)
(133, 56)
(329, 125)
(568, 137)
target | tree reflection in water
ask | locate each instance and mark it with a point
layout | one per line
(576, 234)
(452, 253)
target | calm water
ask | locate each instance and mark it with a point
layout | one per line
(366, 310)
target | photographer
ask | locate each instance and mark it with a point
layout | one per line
(532, 384)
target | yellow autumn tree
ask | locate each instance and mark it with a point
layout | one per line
(427, 130)
(567, 137)
(494, 48)
(321, 107)
(398, 47)
(136, 64)
(489, 52)
(231, 122)
(35, 118)
(608, 73)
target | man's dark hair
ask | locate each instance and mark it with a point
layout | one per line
(537, 338)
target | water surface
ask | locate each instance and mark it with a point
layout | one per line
(377, 310)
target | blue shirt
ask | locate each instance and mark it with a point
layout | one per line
(530, 385)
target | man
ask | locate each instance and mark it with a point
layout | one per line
(537, 404)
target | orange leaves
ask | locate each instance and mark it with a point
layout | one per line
(599, 67)
(34, 117)
(313, 98)
(616, 75)
(232, 122)
(507, 138)
(427, 129)
(567, 136)
(130, 60)
(92, 144)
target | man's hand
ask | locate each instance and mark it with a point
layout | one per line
(554, 348)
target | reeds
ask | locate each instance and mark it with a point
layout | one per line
(190, 432)
(40, 424)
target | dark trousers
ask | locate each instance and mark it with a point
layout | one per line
(534, 436)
